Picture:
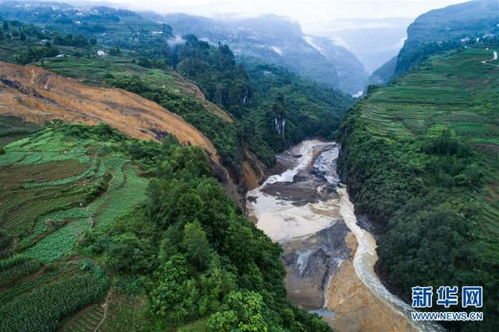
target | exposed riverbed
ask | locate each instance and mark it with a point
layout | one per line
(329, 259)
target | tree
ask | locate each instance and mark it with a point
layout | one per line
(167, 30)
(196, 245)
(5, 26)
(214, 286)
(175, 297)
(115, 51)
(244, 311)
(447, 143)
(128, 254)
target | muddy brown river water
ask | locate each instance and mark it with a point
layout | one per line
(328, 257)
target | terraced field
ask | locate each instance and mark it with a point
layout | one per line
(55, 185)
(421, 158)
(46, 302)
(55, 188)
(459, 92)
(12, 129)
(86, 320)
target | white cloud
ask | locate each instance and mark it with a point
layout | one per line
(311, 13)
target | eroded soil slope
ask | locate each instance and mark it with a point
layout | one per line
(37, 95)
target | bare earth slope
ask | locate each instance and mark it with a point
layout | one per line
(38, 95)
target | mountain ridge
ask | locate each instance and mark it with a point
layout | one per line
(280, 41)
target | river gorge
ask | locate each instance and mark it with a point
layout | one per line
(329, 258)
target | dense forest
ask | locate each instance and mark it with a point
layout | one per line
(420, 159)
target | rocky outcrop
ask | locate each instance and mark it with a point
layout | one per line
(310, 261)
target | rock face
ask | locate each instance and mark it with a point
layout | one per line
(352, 76)
(310, 261)
(277, 40)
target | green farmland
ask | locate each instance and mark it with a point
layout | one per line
(421, 158)
(56, 186)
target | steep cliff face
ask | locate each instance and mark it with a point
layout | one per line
(352, 75)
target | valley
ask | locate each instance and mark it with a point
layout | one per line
(174, 172)
(329, 259)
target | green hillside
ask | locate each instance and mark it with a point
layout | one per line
(85, 208)
(145, 224)
(451, 27)
(421, 160)
(140, 60)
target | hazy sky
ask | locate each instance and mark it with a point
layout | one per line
(309, 13)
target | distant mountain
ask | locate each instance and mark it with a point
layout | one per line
(351, 73)
(279, 41)
(384, 74)
(373, 41)
(451, 27)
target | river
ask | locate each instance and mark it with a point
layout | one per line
(328, 258)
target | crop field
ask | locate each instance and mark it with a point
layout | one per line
(86, 320)
(97, 71)
(55, 188)
(48, 303)
(13, 128)
(17, 271)
(45, 293)
(94, 70)
(455, 91)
